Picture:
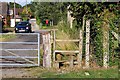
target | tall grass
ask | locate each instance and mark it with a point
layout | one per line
(65, 33)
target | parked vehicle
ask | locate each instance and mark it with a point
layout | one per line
(23, 26)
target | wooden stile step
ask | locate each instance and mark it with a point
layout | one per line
(63, 51)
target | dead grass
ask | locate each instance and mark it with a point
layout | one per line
(65, 45)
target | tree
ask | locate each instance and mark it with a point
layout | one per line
(11, 5)
(94, 11)
(31, 8)
(26, 13)
(52, 11)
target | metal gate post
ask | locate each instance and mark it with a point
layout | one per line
(38, 49)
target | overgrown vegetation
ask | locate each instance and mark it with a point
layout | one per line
(102, 15)
(65, 33)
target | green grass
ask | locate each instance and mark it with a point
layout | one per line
(7, 37)
(112, 73)
(63, 33)
(93, 73)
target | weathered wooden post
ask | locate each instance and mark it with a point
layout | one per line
(81, 35)
(87, 44)
(54, 45)
(46, 49)
(69, 18)
(105, 45)
(79, 56)
(71, 61)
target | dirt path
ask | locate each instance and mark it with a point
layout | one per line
(16, 73)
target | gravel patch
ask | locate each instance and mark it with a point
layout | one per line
(15, 73)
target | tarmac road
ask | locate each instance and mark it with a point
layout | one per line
(13, 71)
(24, 53)
(18, 72)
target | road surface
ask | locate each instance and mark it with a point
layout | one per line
(18, 72)
(33, 44)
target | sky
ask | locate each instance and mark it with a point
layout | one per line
(21, 2)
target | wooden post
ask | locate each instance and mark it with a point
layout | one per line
(105, 45)
(58, 57)
(79, 56)
(44, 59)
(49, 50)
(46, 50)
(71, 61)
(81, 35)
(69, 18)
(54, 45)
(56, 65)
(87, 43)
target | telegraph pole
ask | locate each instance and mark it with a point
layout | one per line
(26, 10)
(26, 6)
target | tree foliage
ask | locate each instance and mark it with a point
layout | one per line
(11, 5)
(31, 8)
(52, 11)
(91, 10)
(98, 12)
(26, 13)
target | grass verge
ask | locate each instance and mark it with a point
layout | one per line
(82, 73)
(5, 37)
